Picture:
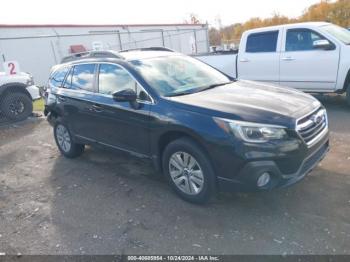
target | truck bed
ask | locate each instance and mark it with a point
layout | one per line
(223, 61)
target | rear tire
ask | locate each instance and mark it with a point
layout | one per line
(65, 143)
(189, 171)
(16, 106)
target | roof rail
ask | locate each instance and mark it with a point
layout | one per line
(91, 54)
(155, 48)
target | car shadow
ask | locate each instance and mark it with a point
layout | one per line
(11, 130)
(110, 203)
(337, 109)
(333, 101)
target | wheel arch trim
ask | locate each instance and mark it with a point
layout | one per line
(17, 87)
(168, 136)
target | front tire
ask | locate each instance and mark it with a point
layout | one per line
(189, 171)
(16, 106)
(65, 143)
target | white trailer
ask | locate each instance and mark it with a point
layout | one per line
(38, 47)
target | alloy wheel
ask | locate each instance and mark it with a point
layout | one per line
(186, 173)
(63, 138)
(16, 107)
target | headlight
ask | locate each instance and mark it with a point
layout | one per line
(30, 81)
(252, 132)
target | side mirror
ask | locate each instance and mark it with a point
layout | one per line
(127, 95)
(322, 44)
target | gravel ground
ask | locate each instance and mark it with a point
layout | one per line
(110, 203)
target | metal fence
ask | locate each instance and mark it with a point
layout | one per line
(38, 51)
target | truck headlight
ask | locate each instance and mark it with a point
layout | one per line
(30, 81)
(252, 132)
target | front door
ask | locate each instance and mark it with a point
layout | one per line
(305, 67)
(121, 125)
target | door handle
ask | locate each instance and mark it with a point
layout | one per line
(96, 108)
(244, 60)
(288, 58)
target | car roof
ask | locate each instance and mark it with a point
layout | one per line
(277, 27)
(115, 57)
(128, 54)
(139, 54)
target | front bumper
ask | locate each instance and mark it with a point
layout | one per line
(34, 92)
(247, 178)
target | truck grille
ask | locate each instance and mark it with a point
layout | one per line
(313, 126)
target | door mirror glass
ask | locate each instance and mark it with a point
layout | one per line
(322, 44)
(126, 95)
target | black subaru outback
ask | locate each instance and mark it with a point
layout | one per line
(203, 130)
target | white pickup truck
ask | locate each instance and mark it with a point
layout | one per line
(313, 57)
(17, 91)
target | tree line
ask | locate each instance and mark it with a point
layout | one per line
(337, 12)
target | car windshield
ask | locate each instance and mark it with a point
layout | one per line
(339, 33)
(179, 75)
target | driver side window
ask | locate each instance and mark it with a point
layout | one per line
(301, 39)
(113, 78)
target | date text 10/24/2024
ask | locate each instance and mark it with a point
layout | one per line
(174, 258)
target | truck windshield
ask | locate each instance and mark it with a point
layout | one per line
(179, 75)
(338, 32)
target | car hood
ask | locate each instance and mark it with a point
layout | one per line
(251, 101)
(21, 75)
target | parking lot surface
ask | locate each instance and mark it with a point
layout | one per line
(110, 203)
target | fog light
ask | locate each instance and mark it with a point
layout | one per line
(263, 180)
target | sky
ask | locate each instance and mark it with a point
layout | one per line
(144, 11)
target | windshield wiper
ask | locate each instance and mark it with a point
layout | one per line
(180, 93)
(214, 85)
(199, 89)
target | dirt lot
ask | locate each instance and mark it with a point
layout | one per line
(111, 203)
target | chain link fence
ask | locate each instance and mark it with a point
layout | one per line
(38, 49)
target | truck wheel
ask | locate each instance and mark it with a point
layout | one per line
(16, 106)
(188, 170)
(65, 142)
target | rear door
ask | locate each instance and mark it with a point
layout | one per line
(260, 59)
(77, 97)
(305, 67)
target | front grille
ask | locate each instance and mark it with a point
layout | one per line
(312, 127)
(313, 160)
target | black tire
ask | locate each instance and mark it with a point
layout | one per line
(348, 95)
(73, 150)
(16, 106)
(186, 145)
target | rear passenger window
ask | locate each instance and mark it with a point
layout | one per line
(262, 42)
(57, 78)
(83, 77)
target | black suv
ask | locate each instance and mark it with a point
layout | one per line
(203, 130)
